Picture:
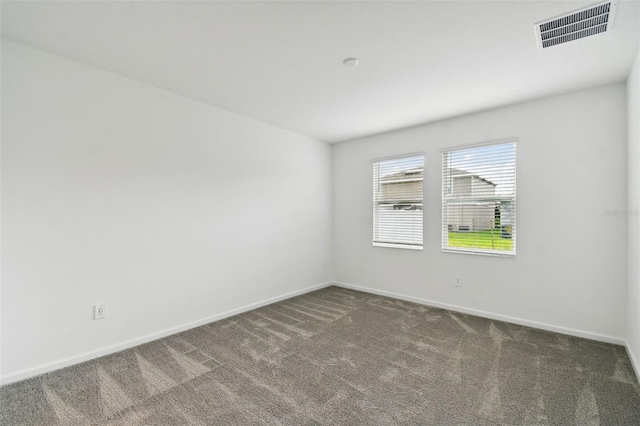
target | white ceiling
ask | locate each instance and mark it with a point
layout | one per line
(281, 62)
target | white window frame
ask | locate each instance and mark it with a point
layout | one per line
(373, 175)
(445, 200)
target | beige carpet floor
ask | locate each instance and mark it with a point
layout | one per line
(341, 357)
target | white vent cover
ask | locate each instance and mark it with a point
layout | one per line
(582, 23)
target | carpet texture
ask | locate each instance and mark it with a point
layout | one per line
(341, 357)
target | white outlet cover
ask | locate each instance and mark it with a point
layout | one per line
(100, 311)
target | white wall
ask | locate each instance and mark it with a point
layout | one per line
(168, 210)
(633, 220)
(570, 271)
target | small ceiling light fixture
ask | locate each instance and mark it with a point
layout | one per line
(350, 62)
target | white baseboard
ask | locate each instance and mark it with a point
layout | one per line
(491, 315)
(45, 368)
(634, 361)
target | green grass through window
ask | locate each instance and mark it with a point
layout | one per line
(483, 240)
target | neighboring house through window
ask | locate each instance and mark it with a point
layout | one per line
(479, 199)
(397, 202)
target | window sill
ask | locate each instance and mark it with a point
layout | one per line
(479, 252)
(399, 246)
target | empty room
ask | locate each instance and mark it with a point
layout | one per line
(320, 213)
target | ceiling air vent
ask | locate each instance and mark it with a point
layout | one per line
(582, 23)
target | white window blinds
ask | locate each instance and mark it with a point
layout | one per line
(479, 199)
(397, 202)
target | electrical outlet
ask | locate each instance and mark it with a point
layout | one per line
(457, 280)
(100, 311)
(324, 265)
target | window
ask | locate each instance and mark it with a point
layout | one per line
(397, 202)
(479, 199)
